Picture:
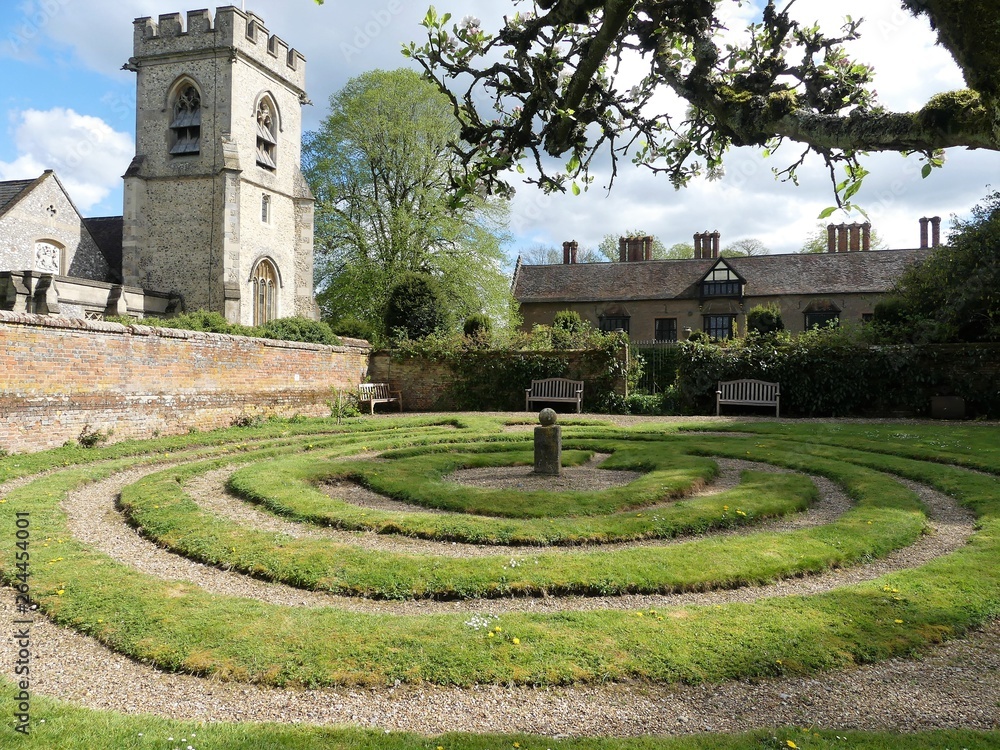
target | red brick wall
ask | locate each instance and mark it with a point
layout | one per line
(59, 375)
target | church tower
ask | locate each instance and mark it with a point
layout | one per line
(216, 207)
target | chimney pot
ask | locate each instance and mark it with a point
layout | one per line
(923, 231)
(715, 244)
(565, 253)
(842, 238)
(935, 231)
(854, 233)
(573, 247)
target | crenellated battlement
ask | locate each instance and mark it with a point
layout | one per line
(231, 27)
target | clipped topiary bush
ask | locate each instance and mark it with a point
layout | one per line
(416, 308)
(765, 319)
(477, 325)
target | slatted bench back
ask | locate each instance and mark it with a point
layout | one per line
(748, 392)
(374, 390)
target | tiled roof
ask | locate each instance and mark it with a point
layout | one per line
(766, 276)
(107, 233)
(10, 190)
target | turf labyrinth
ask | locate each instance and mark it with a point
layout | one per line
(654, 536)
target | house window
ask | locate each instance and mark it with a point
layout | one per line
(185, 127)
(265, 208)
(665, 329)
(826, 319)
(265, 292)
(613, 323)
(267, 135)
(867, 318)
(720, 326)
(721, 282)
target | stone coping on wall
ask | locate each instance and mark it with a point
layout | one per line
(137, 329)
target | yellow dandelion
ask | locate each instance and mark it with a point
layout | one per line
(517, 642)
(60, 592)
(490, 634)
(898, 622)
(790, 743)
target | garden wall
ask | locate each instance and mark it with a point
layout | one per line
(495, 380)
(60, 375)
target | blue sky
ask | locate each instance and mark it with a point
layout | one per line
(66, 105)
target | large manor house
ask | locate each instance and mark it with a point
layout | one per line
(217, 214)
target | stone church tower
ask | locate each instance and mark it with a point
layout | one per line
(216, 207)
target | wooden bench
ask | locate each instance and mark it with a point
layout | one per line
(378, 393)
(748, 392)
(554, 389)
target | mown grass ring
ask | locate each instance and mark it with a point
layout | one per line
(178, 626)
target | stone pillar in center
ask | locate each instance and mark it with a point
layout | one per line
(548, 444)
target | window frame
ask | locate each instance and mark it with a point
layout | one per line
(185, 129)
(729, 328)
(266, 124)
(611, 323)
(670, 324)
(264, 285)
(820, 319)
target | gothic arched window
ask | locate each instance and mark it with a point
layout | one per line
(267, 134)
(265, 292)
(185, 125)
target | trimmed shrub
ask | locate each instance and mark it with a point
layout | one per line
(354, 327)
(416, 308)
(765, 319)
(477, 325)
(299, 329)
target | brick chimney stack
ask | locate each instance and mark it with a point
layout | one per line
(923, 231)
(706, 245)
(935, 231)
(569, 252)
(633, 249)
(848, 238)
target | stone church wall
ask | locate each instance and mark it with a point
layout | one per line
(62, 375)
(46, 214)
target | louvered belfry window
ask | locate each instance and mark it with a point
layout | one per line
(267, 139)
(185, 126)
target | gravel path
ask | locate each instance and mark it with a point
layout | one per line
(957, 685)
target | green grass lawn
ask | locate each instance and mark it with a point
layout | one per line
(178, 626)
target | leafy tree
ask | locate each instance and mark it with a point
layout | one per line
(955, 294)
(381, 169)
(680, 250)
(557, 80)
(817, 241)
(744, 248)
(415, 307)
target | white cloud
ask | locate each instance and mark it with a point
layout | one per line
(86, 153)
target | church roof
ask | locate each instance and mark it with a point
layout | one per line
(11, 191)
(107, 233)
(766, 276)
